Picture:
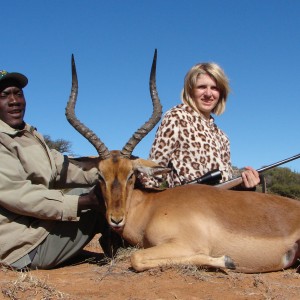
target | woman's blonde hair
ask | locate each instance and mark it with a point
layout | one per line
(214, 71)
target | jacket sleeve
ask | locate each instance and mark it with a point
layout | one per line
(163, 147)
(227, 172)
(165, 140)
(70, 175)
(18, 195)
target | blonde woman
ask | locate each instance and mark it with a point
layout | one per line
(188, 140)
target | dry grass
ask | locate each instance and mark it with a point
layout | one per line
(117, 265)
(106, 275)
(258, 284)
(27, 286)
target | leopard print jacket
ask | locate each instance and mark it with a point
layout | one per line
(191, 146)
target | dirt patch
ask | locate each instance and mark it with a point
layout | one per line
(91, 276)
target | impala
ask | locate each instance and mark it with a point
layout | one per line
(192, 224)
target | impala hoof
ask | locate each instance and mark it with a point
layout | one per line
(229, 264)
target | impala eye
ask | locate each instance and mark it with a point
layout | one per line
(131, 178)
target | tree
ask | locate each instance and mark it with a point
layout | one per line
(284, 182)
(60, 145)
(280, 181)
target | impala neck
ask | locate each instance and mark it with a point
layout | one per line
(137, 215)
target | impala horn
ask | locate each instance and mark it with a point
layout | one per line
(81, 128)
(156, 114)
(137, 136)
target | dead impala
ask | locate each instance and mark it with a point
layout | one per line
(191, 224)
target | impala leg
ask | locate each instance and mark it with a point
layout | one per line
(170, 254)
(291, 256)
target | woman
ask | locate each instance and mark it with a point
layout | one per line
(188, 141)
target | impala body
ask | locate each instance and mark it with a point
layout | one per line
(193, 224)
(202, 225)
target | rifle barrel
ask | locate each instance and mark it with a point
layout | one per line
(284, 161)
(238, 180)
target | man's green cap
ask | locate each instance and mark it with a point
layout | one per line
(14, 78)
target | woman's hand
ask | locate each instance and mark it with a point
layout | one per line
(250, 178)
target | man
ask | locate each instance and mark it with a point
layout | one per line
(40, 226)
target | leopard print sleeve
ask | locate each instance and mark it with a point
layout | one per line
(165, 140)
(166, 147)
(225, 155)
(162, 149)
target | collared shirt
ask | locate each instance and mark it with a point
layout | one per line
(31, 179)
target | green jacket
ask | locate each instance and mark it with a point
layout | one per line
(31, 176)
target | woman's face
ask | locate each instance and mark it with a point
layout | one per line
(205, 94)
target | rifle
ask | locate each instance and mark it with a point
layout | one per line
(210, 178)
(238, 180)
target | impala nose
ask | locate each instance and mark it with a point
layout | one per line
(117, 221)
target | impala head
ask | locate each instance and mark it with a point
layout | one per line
(117, 169)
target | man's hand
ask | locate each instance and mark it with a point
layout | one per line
(92, 200)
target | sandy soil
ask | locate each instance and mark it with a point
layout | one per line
(91, 276)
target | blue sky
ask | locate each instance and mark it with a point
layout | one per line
(257, 43)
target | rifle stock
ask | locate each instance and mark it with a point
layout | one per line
(229, 184)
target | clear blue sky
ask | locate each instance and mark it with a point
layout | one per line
(257, 43)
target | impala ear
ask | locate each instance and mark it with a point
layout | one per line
(149, 167)
(86, 163)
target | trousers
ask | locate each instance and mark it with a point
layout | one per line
(65, 241)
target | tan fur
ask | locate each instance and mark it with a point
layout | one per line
(198, 224)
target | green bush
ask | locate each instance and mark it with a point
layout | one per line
(284, 182)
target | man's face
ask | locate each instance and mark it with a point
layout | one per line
(12, 106)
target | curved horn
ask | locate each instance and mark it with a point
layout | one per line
(156, 114)
(81, 128)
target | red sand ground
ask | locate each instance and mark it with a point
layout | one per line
(86, 278)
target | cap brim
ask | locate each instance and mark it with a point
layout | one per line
(21, 79)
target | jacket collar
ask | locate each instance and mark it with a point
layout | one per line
(4, 128)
